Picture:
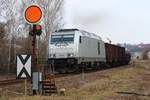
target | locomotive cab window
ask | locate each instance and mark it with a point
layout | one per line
(64, 38)
(98, 48)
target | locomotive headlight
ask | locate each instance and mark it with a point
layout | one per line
(70, 54)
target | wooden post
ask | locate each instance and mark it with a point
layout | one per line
(25, 87)
(82, 75)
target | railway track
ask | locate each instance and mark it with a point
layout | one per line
(11, 82)
(16, 81)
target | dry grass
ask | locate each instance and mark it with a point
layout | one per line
(131, 81)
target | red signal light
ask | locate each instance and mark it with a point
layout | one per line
(38, 27)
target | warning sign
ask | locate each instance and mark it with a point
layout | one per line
(23, 66)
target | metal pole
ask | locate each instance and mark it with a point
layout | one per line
(34, 58)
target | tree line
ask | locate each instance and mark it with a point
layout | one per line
(14, 31)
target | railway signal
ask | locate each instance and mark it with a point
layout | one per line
(36, 30)
(33, 14)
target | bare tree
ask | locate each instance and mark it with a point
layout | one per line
(8, 13)
(51, 21)
(11, 12)
(3, 47)
(2, 32)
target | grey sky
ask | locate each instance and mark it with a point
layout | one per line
(120, 20)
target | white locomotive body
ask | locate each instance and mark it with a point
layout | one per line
(70, 48)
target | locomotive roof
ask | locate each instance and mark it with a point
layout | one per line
(62, 30)
(88, 34)
(84, 33)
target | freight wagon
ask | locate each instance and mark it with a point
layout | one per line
(116, 55)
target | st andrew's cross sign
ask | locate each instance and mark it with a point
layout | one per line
(23, 66)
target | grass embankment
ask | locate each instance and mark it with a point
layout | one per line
(131, 82)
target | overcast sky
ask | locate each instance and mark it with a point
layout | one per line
(123, 21)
